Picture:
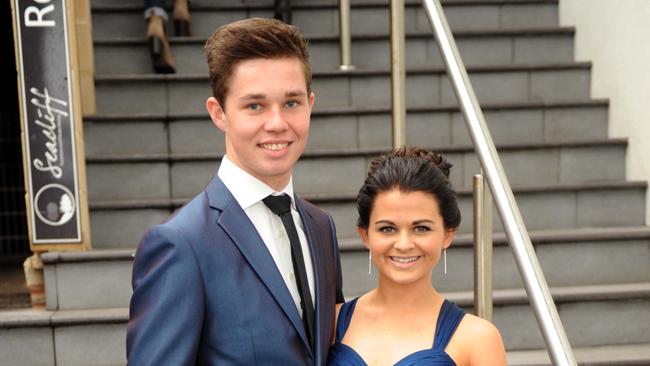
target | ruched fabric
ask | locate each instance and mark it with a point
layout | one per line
(450, 316)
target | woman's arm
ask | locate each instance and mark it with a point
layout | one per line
(487, 347)
(477, 342)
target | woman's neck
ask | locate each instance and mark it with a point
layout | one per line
(400, 296)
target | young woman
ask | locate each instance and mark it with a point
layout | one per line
(408, 216)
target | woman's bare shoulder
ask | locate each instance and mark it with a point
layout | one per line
(479, 342)
(477, 327)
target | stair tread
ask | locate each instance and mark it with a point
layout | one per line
(503, 297)
(627, 354)
(356, 72)
(562, 294)
(45, 318)
(517, 296)
(351, 244)
(354, 152)
(94, 255)
(333, 37)
(351, 196)
(317, 4)
(326, 111)
(539, 237)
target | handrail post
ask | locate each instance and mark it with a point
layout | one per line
(346, 38)
(482, 249)
(557, 343)
(398, 72)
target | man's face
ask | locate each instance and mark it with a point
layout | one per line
(265, 117)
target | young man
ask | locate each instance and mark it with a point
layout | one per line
(227, 280)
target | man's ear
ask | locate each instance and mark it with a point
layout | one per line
(217, 113)
(363, 234)
(450, 234)
(311, 99)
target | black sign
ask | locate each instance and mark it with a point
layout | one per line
(48, 120)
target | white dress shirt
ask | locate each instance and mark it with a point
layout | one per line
(249, 193)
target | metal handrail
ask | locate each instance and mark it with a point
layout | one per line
(398, 72)
(559, 349)
(483, 249)
(346, 38)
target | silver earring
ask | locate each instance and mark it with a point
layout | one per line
(369, 263)
(444, 259)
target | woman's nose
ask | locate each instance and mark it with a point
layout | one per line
(404, 241)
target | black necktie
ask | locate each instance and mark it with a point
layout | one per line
(281, 206)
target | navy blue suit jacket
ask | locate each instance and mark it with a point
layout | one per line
(206, 290)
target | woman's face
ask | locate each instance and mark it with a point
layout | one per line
(406, 235)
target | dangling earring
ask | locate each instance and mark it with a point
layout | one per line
(369, 263)
(444, 259)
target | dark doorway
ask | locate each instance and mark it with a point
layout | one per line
(14, 244)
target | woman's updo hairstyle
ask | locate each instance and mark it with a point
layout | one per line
(409, 169)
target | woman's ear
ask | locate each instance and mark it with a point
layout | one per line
(217, 113)
(450, 234)
(363, 234)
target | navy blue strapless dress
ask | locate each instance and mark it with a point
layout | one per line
(448, 320)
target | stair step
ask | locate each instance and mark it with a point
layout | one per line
(591, 315)
(104, 344)
(345, 128)
(369, 51)
(124, 227)
(618, 355)
(540, 237)
(549, 207)
(598, 311)
(563, 263)
(124, 18)
(426, 87)
(87, 280)
(155, 176)
(34, 337)
(101, 278)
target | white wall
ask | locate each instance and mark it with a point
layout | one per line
(615, 36)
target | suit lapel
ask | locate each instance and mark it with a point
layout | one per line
(243, 234)
(307, 219)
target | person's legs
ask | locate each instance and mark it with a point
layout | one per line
(182, 21)
(156, 7)
(161, 53)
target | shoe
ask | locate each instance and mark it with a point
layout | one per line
(182, 20)
(161, 53)
(282, 10)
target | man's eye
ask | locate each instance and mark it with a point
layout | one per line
(254, 107)
(292, 104)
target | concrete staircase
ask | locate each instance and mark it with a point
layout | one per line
(152, 146)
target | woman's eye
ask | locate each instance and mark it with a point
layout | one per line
(421, 229)
(386, 229)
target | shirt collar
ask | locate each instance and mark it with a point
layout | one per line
(247, 189)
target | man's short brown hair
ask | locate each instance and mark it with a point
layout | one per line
(249, 39)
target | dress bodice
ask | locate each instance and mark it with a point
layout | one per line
(450, 316)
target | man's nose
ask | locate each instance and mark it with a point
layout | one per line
(276, 120)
